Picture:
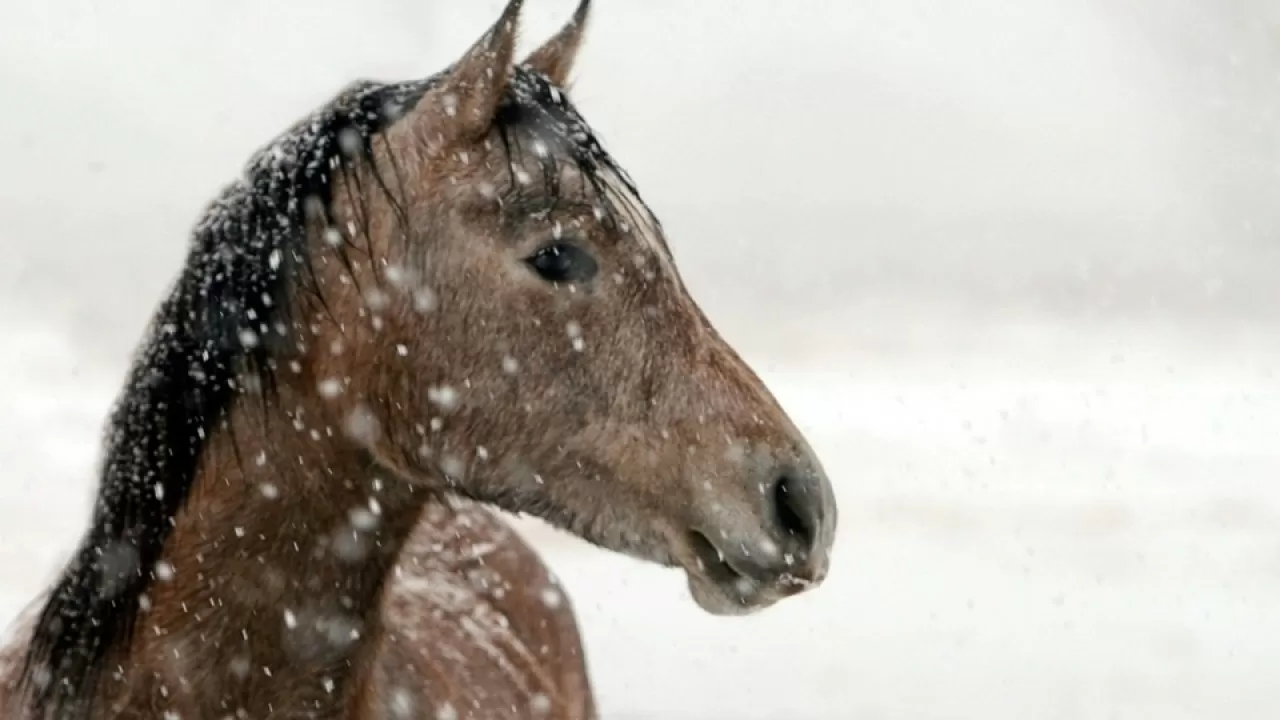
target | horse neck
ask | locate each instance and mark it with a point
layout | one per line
(278, 561)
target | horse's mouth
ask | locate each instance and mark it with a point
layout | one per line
(721, 587)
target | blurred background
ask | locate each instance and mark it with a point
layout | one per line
(1013, 265)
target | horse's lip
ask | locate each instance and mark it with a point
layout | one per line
(712, 564)
(741, 591)
(712, 567)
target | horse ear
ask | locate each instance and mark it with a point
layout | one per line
(555, 58)
(461, 106)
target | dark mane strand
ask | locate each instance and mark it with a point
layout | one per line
(218, 333)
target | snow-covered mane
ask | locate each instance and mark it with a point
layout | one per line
(213, 334)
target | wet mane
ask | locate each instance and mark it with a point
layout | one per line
(223, 329)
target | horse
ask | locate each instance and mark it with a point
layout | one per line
(427, 302)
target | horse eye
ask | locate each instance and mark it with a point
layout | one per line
(563, 263)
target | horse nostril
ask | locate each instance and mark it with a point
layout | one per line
(796, 507)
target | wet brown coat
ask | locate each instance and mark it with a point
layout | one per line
(470, 625)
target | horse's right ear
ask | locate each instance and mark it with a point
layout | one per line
(461, 106)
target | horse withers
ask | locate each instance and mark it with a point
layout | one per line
(426, 298)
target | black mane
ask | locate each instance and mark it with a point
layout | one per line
(215, 329)
(217, 332)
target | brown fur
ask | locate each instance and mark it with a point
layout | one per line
(472, 621)
(324, 564)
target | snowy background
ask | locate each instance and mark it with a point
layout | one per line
(1014, 265)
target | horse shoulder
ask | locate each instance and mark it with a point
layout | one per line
(475, 625)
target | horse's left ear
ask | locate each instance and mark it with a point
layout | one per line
(461, 106)
(555, 58)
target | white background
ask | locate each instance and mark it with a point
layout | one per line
(1012, 264)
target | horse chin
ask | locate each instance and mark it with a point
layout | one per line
(739, 597)
(714, 584)
(717, 590)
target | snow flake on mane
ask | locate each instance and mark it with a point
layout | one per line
(217, 328)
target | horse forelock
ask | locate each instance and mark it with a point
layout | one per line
(535, 111)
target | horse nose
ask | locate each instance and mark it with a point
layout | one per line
(800, 511)
(784, 542)
(796, 509)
